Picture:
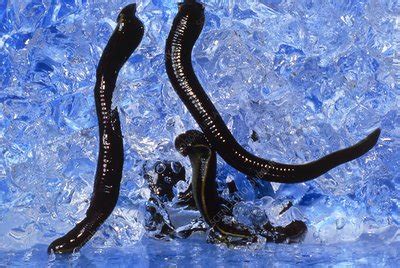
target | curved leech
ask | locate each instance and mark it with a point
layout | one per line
(124, 40)
(184, 33)
(204, 186)
(212, 208)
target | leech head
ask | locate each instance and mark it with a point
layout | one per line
(185, 142)
(194, 12)
(127, 14)
(128, 22)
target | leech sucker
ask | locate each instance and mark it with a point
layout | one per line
(184, 33)
(124, 40)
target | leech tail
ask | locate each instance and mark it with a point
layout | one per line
(272, 171)
(316, 168)
(350, 153)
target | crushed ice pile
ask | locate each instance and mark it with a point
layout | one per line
(294, 80)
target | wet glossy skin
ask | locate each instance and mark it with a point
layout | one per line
(124, 40)
(211, 206)
(204, 184)
(186, 29)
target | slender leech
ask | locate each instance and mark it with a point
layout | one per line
(204, 186)
(211, 206)
(124, 40)
(186, 29)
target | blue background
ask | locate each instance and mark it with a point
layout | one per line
(309, 77)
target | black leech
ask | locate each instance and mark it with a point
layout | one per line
(124, 40)
(186, 29)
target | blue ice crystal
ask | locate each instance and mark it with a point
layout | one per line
(307, 77)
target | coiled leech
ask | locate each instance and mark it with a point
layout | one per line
(211, 206)
(124, 40)
(184, 33)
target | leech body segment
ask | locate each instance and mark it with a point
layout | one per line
(213, 209)
(186, 29)
(204, 185)
(124, 40)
